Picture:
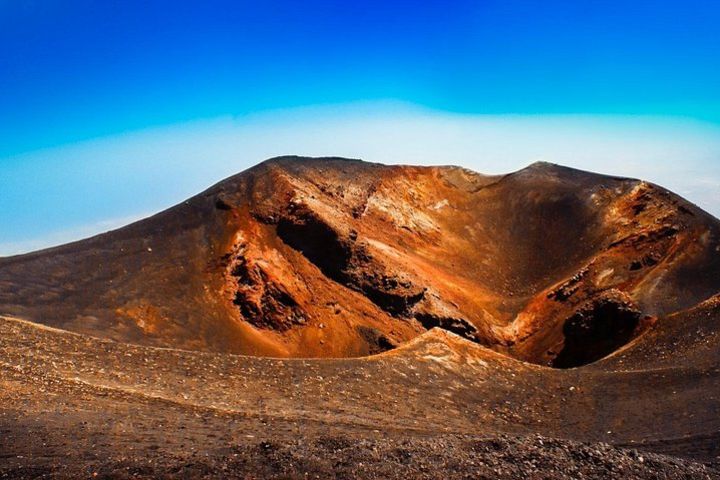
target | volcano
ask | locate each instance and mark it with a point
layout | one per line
(347, 299)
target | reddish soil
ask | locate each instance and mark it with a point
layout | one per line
(549, 323)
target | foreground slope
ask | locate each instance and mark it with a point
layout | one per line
(302, 257)
(440, 406)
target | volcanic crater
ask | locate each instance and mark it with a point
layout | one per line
(331, 257)
(310, 306)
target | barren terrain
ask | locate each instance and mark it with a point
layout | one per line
(333, 318)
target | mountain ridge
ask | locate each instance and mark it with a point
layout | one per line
(333, 257)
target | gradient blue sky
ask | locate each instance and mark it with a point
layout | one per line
(99, 99)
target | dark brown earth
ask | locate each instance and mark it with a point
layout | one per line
(583, 310)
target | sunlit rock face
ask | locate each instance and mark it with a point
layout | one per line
(306, 257)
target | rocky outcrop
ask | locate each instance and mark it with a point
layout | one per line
(336, 258)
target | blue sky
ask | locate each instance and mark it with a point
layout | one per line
(98, 100)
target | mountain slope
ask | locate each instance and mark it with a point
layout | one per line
(548, 323)
(330, 257)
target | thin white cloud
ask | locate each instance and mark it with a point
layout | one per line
(153, 169)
